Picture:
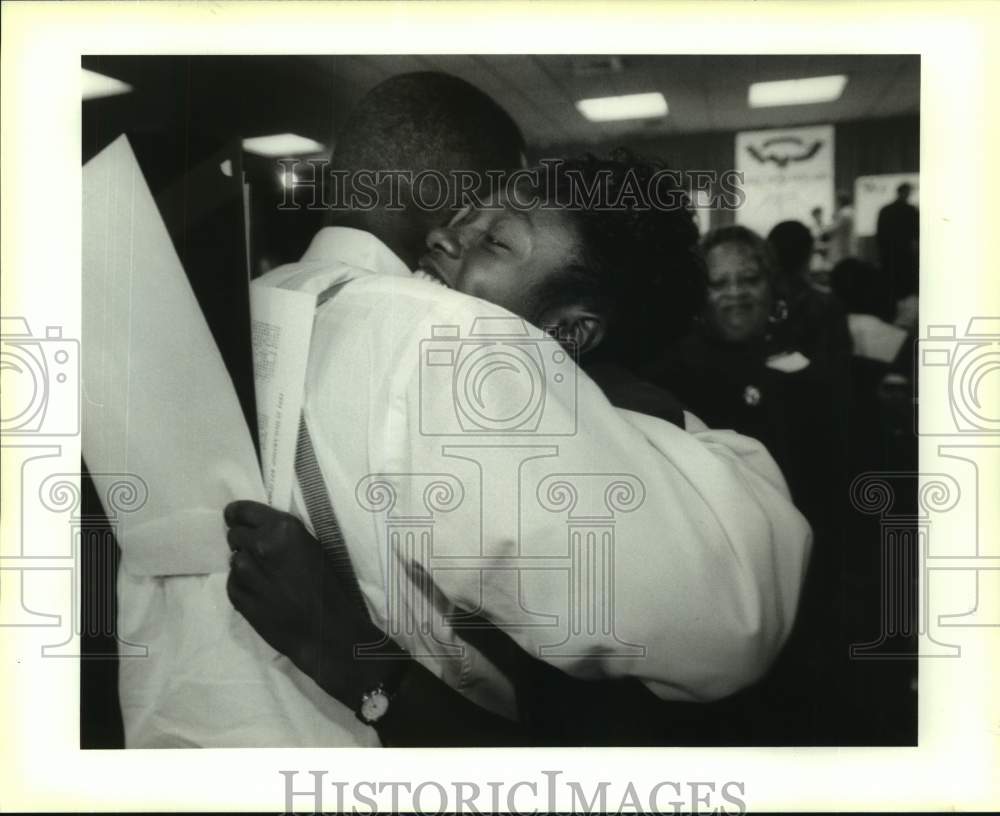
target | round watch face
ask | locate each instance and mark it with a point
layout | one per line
(374, 706)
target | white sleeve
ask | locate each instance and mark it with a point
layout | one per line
(605, 542)
(769, 541)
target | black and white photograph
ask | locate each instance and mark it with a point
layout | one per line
(552, 400)
(575, 464)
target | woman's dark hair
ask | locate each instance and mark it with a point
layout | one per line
(759, 249)
(639, 263)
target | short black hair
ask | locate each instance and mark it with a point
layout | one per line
(410, 123)
(639, 262)
(427, 120)
(792, 244)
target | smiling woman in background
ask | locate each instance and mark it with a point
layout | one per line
(741, 368)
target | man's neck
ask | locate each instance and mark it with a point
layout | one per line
(382, 226)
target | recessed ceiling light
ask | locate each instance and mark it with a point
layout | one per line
(809, 91)
(630, 106)
(96, 85)
(281, 144)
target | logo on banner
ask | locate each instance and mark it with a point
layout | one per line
(782, 150)
(787, 173)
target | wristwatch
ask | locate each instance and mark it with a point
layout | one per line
(386, 682)
(374, 705)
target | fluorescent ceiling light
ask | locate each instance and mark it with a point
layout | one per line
(630, 106)
(797, 91)
(96, 85)
(281, 144)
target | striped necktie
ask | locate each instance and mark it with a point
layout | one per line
(323, 519)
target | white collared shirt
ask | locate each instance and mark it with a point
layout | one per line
(472, 466)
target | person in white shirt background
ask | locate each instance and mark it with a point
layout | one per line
(843, 242)
(707, 565)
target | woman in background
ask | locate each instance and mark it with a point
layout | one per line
(750, 366)
(742, 368)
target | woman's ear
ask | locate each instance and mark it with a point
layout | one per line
(578, 324)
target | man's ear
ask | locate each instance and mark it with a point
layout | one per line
(583, 326)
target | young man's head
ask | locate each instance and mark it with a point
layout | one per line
(411, 124)
(609, 272)
(792, 244)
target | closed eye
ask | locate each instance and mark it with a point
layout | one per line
(494, 241)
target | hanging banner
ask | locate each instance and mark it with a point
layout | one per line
(787, 173)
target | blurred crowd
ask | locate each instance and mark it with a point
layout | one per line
(809, 348)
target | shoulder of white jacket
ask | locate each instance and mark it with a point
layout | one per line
(436, 299)
(333, 247)
(279, 274)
